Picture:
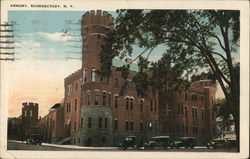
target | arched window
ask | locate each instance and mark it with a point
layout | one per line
(84, 76)
(116, 82)
(127, 103)
(93, 74)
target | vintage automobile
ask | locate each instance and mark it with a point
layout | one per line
(221, 143)
(129, 142)
(216, 143)
(34, 139)
(187, 142)
(231, 143)
(159, 142)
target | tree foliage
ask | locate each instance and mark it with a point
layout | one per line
(197, 43)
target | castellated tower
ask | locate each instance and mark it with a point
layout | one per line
(29, 117)
(94, 27)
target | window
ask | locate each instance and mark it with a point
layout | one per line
(31, 113)
(93, 74)
(116, 101)
(202, 98)
(25, 113)
(84, 76)
(116, 124)
(202, 114)
(89, 98)
(69, 90)
(131, 125)
(100, 122)
(104, 98)
(75, 126)
(75, 104)
(186, 97)
(131, 103)
(127, 103)
(186, 112)
(89, 122)
(68, 107)
(194, 97)
(141, 126)
(81, 122)
(116, 82)
(110, 99)
(83, 99)
(76, 86)
(169, 109)
(141, 105)
(97, 98)
(106, 123)
(155, 105)
(126, 125)
(151, 105)
(150, 126)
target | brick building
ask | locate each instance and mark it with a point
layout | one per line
(93, 113)
(52, 125)
(96, 115)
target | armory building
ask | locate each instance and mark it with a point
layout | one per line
(93, 114)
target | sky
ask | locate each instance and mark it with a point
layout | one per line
(45, 56)
(48, 49)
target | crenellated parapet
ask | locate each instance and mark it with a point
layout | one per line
(203, 83)
(96, 22)
(30, 104)
(72, 77)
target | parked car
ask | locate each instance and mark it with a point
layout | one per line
(129, 142)
(217, 143)
(187, 142)
(231, 143)
(34, 139)
(159, 142)
(221, 143)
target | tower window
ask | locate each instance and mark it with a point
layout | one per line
(96, 98)
(126, 125)
(89, 122)
(104, 98)
(84, 76)
(116, 124)
(116, 101)
(131, 103)
(93, 74)
(141, 105)
(127, 103)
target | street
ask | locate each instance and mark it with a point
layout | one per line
(17, 145)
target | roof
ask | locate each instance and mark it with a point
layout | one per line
(55, 106)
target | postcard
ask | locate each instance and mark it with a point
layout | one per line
(106, 79)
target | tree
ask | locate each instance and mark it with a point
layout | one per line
(194, 41)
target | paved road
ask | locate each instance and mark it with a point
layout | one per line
(17, 145)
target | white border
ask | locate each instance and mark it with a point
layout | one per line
(243, 6)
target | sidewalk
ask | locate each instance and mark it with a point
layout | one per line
(71, 146)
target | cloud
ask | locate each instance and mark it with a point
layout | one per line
(30, 43)
(55, 36)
